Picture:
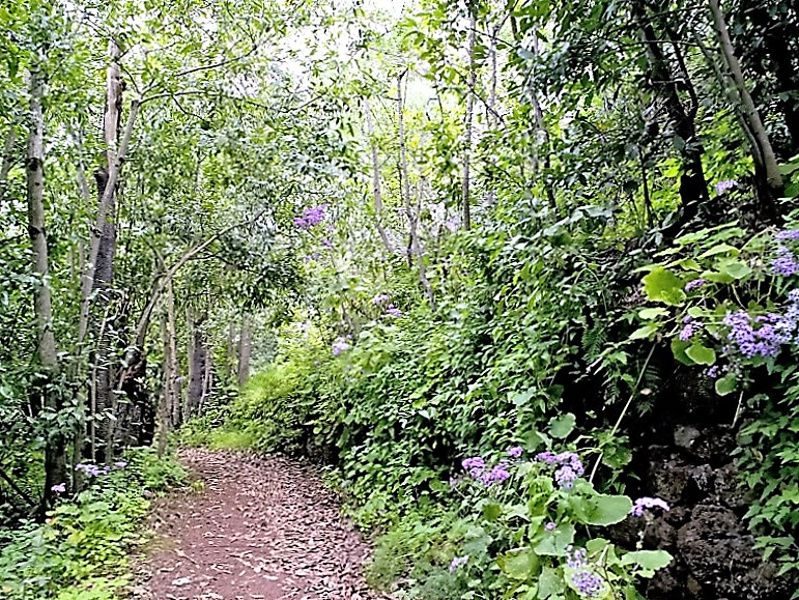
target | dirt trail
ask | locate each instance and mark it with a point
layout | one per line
(262, 528)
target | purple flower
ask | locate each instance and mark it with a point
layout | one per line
(787, 235)
(642, 504)
(393, 311)
(381, 299)
(551, 526)
(327, 243)
(474, 466)
(547, 457)
(570, 467)
(712, 372)
(121, 464)
(91, 470)
(498, 474)
(785, 263)
(694, 284)
(59, 488)
(565, 477)
(588, 584)
(577, 558)
(690, 328)
(726, 186)
(515, 452)
(340, 346)
(311, 217)
(457, 563)
(762, 336)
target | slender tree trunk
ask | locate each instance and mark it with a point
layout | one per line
(115, 158)
(693, 186)
(197, 364)
(245, 350)
(376, 187)
(468, 127)
(208, 382)
(765, 154)
(170, 396)
(104, 259)
(230, 354)
(55, 445)
(415, 246)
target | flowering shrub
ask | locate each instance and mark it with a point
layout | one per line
(528, 518)
(311, 217)
(729, 302)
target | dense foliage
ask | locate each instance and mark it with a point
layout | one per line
(82, 548)
(522, 272)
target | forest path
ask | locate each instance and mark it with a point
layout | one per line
(262, 528)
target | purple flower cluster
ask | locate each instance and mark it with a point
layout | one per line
(787, 235)
(476, 467)
(690, 328)
(570, 467)
(588, 584)
(311, 217)
(381, 299)
(551, 526)
(762, 336)
(577, 558)
(642, 504)
(785, 263)
(695, 284)
(712, 372)
(457, 563)
(726, 186)
(393, 311)
(92, 470)
(59, 488)
(515, 452)
(340, 346)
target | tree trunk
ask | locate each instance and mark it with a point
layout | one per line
(468, 127)
(230, 354)
(414, 246)
(245, 349)
(765, 155)
(693, 186)
(197, 365)
(376, 188)
(104, 357)
(116, 155)
(55, 445)
(169, 396)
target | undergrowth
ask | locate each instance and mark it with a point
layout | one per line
(80, 551)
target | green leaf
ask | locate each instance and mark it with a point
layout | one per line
(720, 249)
(492, 511)
(701, 355)
(648, 561)
(664, 286)
(602, 509)
(518, 564)
(735, 269)
(560, 427)
(678, 348)
(652, 313)
(645, 332)
(550, 583)
(727, 384)
(555, 542)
